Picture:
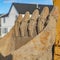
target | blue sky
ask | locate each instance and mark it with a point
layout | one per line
(5, 4)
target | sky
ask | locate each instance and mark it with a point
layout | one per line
(6, 4)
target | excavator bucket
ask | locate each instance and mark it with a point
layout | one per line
(32, 37)
(40, 47)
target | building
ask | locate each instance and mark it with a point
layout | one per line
(7, 20)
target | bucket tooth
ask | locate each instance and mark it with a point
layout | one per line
(23, 25)
(33, 23)
(42, 19)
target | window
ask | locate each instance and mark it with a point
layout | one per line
(16, 16)
(4, 20)
(5, 30)
(0, 22)
(0, 31)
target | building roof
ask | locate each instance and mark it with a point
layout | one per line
(22, 8)
(5, 15)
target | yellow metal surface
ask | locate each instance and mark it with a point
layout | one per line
(57, 42)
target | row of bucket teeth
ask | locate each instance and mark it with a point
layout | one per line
(28, 27)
